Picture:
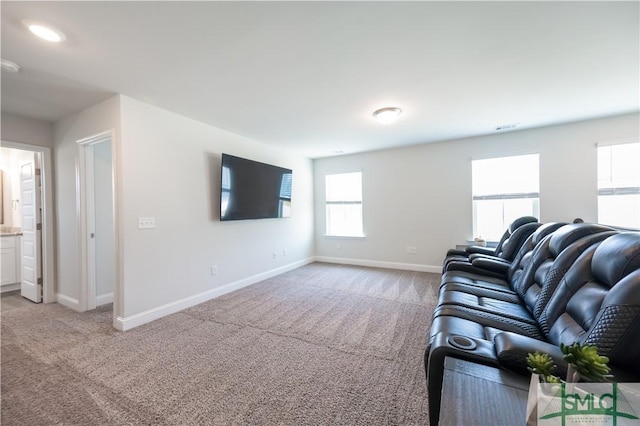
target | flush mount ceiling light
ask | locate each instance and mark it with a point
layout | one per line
(7, 65)
(387, 115)
(44, 32)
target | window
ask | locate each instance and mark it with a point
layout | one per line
(619, 185)
(344, 204)
(503, 190)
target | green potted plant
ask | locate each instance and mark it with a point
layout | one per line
(583, 364)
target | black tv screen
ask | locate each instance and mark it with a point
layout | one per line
(253, 190)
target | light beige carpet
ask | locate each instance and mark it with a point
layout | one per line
(320, 345)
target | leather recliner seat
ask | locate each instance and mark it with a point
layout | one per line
(596, 303)
(498, 251)
(510, 249)
(487, 273)
(549, 284)
(549, 262)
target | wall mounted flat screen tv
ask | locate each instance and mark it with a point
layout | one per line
(253, 190)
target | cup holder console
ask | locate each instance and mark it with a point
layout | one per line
(461, 342)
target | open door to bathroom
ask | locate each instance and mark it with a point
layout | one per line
(31, 213)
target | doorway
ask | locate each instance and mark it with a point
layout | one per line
(27, 221)
(97, 234)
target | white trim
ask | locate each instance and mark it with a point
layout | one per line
(345, 237)
(10, 287)
(103, 299)
(127, 323)
(380, 264)
(86, 216)
(621, 141)
(90, 222)
(48, 264)
(68, 302)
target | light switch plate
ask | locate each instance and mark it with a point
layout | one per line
(146, 222)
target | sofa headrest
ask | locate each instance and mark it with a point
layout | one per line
(567, 234)
(545, 230)
(512, 245)
(521, 221)
(616, 257)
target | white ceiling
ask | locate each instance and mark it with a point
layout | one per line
(307, 76)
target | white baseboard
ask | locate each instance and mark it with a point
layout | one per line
(129, 322)
(381, 264)
(67, 301)
(103, 299)
(9, 287)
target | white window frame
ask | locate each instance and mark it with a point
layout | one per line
(329, 203)
(611, 190)
(535, 196)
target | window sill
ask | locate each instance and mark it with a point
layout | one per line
(346, 237)
(489, 244)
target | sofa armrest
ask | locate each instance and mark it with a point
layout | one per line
(475, 256)
(482, 250)
(472, 269)
(454, 252)
(498, 266)
(459, 266)
(512, 350)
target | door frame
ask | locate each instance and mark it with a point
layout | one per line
(47, 242)
(86, 216)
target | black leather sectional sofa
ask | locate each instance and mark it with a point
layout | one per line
(563, 283)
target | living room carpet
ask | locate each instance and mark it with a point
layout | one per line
(322, 344)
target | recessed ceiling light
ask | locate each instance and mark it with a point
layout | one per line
(45, 32)
(7, 65)
(387, 115)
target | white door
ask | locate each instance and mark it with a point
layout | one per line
(31, 286)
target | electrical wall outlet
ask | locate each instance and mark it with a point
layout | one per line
(412, 250)
(284, 252)
(146, 222)
(214, 270)
(275, 255)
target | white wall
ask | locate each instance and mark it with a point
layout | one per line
(168, 166)
(99, 118)
(170, 169)
(420, 196)
(16, 128)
